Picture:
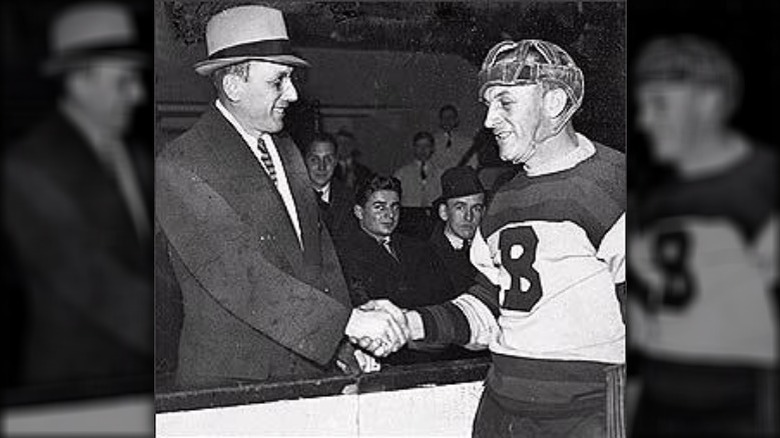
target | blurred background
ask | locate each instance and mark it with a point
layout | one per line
(702, 241)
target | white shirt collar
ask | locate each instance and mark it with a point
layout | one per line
(584, 150)
(455, 241)
(251, 141)
(325, 192)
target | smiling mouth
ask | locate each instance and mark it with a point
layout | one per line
(503, 135)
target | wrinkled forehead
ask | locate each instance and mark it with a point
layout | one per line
(495, 92)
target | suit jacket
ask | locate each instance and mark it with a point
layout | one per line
(372, 273)
(338, 214)
(256, 305)
(459, 269)
(87, 275)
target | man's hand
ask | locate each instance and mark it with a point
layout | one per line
(367, 363)
(376, 331)
(396, 312)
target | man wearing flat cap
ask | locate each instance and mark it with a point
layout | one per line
(77, 209)
(263, 292)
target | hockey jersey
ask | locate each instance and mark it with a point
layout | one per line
(551, 251)
(705, 254)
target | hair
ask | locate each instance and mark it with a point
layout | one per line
(375, 184)
(448, 107)
(241, 70)
(322, 137)
(423, 135)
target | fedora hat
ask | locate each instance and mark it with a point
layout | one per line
(247, 33)
(88, 32)
(457, 182)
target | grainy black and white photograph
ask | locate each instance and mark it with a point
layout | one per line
(703, 296)
(77, 192)
(390, 218)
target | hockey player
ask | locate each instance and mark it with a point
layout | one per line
(550, 251)
(704, 252)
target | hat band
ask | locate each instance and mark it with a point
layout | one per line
(256, 48)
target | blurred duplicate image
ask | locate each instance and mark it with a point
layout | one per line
(76, 190)
(703, 318)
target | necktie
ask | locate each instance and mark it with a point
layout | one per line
(449, 140)
(466, 246)
(320, 201)
(265, 159)
(423, 173)
(389, 249)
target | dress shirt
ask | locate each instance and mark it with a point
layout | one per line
(282, 185)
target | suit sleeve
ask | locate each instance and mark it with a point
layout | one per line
(62, 255)
(223, 254)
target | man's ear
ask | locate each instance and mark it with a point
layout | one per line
(232, 86)
(554, 102)
(358, 212)
(443, 212)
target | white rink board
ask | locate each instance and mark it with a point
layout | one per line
(436, 411)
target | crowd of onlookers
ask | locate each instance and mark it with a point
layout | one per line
(405, 237)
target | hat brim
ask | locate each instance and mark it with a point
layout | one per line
(209, 66)
(442, 199)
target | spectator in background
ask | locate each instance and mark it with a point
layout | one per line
(704, 250)
(420, 178)
(460, 207)
(454, 148)
(379, 263)
(335, 201)
(77, 211)
(349, 170)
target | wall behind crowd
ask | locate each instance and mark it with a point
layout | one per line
(385, 96)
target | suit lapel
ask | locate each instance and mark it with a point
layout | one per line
(246, 186)
(306, 204)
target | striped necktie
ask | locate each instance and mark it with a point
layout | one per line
(265, 159)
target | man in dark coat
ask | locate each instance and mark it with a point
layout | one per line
(263, 294)
(460, 207)
(381, 264)
(76, 207)
(334, 198)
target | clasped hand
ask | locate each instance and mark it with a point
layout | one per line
(378, 326)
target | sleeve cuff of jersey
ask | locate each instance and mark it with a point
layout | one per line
(445, 323)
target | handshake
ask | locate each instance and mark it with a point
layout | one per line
(381, 328)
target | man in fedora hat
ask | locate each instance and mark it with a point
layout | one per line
(76, 211)
(460, 207)
(550, 252)
(263, 292)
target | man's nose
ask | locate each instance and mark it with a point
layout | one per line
(290, 92)
(491, 117)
